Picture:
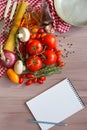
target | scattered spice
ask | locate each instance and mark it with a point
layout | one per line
(64, 37)
(73, 52)
(59, 40)
(60, 45)
(66, 47)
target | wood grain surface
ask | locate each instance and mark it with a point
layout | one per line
(14, 113)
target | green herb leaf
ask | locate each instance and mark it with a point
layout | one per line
(17, 49)
(48, 70)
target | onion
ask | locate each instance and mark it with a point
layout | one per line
(10, 59)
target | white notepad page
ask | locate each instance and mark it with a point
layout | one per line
(55, 104)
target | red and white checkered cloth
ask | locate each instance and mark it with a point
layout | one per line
(58, 24)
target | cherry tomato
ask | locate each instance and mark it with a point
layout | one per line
(41, 30)
(61, 64)
(29, 75)
(23, 75)
(28, 82)
(40, 81)
(59, 52)
(34, 47)
(38, 36)
(34, 80)
(43, 34)
(34, 63)
(49, 57)
(42, 78)
(50, 41)
(33, 36)
(21, 80)
(35, 30)
(58, 59)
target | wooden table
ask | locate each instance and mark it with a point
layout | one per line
(14, 113)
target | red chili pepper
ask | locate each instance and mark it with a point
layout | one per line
(30, 76)
(28, 82)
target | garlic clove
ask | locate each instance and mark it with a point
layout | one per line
(49, 28)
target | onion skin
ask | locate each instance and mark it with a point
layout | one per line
(10, 59)
(2, 63)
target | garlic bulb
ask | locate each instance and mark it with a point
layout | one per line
(19, 67)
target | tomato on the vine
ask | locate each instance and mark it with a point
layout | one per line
(49, 57)
(34, 63)
(34, 47)
(50, 41)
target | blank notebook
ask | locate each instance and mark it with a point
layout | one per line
(55, 104)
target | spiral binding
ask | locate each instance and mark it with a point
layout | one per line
(75, 92)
